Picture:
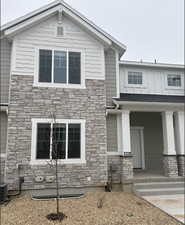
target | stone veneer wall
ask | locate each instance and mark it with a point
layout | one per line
(122, 168)
(115, 162)
(181, 164)
(27, 102)
(170, 166)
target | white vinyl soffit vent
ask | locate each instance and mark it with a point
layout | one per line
(60, 31)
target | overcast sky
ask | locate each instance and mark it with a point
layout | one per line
(151, 29)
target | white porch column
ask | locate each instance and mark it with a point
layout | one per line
(168, 133)
(126, 144)
(179, 135)
(170, 160)
(179, 132)
(126, 156)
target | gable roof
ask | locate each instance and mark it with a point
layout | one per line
(34, 17)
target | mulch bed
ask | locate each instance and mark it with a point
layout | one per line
(118, 209)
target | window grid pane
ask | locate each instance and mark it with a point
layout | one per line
(45, 65)
(59, 141)
(43, 141)
(174, 80)
(135, 78)
(74, 141)
(60, 65)
(74, 67)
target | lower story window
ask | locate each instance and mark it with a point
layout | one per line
(61, 139)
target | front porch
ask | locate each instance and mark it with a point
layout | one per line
(150, 141)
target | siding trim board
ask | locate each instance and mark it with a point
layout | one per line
(151, 98)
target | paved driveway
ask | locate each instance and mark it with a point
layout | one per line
(171, 204)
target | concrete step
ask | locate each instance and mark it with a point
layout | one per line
(153, 185)
(157, 179)
(159, 191)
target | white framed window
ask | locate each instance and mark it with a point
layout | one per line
(135, 78)
(64, 139)
(59, 68)
(174, 80)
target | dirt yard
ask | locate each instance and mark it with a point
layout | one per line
(118, 209)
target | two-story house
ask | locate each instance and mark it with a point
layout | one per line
(62, 79)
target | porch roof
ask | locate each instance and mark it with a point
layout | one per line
(151, 98)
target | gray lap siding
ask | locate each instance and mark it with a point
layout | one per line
(27, 102)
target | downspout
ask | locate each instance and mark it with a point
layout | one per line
(117, 104)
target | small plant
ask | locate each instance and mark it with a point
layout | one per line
(130, 214)
(100, 202)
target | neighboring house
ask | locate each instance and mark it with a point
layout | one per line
(109, 113)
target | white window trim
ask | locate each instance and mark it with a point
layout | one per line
(143, 85)
(174, 87)
(35, 161)
(59, 85)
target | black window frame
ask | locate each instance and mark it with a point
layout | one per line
(45, 69)
(69, 144)
(70, 77)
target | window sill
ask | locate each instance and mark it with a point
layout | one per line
(114, 153)
(135, 86)
(60, 162)
(52, 85)
(174, 88)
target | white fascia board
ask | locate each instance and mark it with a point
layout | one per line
(147, 106)
(84, 21)
(21, 26)
(30, 22)
(117, 43)
(146, 103)
(149, 64)
(87, 26)
(29, 15)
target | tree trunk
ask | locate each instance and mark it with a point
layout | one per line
(57, 188)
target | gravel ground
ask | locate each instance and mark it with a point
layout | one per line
(118, 209)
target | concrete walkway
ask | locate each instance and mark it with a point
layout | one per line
(171, 204)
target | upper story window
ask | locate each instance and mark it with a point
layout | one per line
(174, 80)
(60, 68)
(63, 140)
(135, 78)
